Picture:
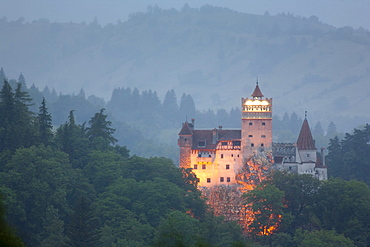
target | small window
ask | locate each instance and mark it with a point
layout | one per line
(238, 155)
(262, 145)
(208, 180)
(227, 167)
(195, 166)
(250, 135)
(201, 144)
(250, 123)
(198, 180)
(308, 155)
(221, 179)
(203, 167)
(263, 136)
(263, 123)
(210, 156)
(228, 179)
(222, 156)
(236, 143)
(232, 155)
(252, 145)
(224, 143)
(186, 139)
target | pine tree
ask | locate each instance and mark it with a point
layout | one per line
(16, 120)
(53, 229)
(2, 75)
(100, 127)
(318, 131)
(70, 138)
(83, 230)
(170, 106)
(332, 129)
(45, 124)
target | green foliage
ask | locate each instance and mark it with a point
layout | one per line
(177, 229)
(7, 237)
(35, 178)
(267, 207)
(100, 127)
(300, 195)
(71, 139)
(84, 226)
(345, 207)
(321, 238)
(350, 158)
(45, 124)
(17, 128)
(53, 229)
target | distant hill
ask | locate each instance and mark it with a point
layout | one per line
(212, 53)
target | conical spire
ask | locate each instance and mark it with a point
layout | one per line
(185, 130)
(257, 92)
(305, 140)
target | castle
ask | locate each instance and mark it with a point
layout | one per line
(216, 156)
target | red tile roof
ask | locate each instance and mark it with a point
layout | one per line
(185, 130)
(305, 140)
(257, 92)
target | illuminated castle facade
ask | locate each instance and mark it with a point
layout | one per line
(217, 155)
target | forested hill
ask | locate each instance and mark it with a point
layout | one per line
(212, 53)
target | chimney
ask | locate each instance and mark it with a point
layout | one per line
(220, 127)
(214, 136)
(192, 123)
(322, 156)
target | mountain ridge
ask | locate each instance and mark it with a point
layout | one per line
(212, 53)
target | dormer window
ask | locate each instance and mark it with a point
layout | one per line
(224, 143)
(201, 144)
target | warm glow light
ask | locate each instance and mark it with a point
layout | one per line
(256, 102)
(227, 201)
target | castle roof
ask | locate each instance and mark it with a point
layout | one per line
(257, 92)
(318, 163)
(206, 137)
(185, 130)
(305, 140)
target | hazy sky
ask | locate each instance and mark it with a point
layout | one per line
(335, 12)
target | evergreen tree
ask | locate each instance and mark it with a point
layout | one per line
(83, 230)
(45, 124)
(16, 120)
(22, 80)
(170, 106)
(6, 116)
(71, 139)
(7, 237)
(332, 129)
(100, 127)
(2, 75)
(318, 131)
(53, 229)
(187, 106)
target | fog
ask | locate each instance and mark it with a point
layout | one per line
(335, 12)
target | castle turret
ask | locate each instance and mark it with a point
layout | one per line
(185, 143)
(256, 123)
(306, 150)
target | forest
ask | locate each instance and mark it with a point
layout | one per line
(212, 53)
(73, 184)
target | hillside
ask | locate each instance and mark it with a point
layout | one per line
(212, 53)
